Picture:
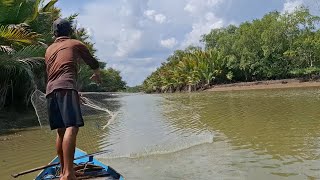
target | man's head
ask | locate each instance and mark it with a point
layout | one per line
(61, 27)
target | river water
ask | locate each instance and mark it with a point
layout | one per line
(261, 134)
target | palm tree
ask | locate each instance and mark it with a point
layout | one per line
(21, 49)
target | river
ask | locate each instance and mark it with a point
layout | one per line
(257, 134)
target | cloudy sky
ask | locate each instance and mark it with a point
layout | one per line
(136, 36)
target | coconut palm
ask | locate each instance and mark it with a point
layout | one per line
(21, 49)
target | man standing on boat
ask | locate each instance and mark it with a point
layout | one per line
(62, 60)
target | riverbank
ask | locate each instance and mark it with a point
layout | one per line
(272, 84)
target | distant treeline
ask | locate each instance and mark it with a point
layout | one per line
(134, 89)
(277, 46)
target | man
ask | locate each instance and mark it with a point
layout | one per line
(62, 60)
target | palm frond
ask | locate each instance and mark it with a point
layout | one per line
(6, 2)
(72, 18)
(11, 69)
(20, 75)
(23, 26)
(10, 34)
(48, 6)
(30, 51)
(33, 63)
(6, 49)
(5, 7)
(3, 93)
(18, 11)
(35, 11)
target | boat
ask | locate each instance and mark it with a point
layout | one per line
(86, 166)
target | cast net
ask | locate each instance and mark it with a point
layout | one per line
(99, 112)
(93, 108)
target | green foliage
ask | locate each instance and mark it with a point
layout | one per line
(17, 36)
(274, 47)
(18, 11)
(49, 6)
(306, 72)
(18, 47)
(111, 80)
(135, 89)
(17, 80)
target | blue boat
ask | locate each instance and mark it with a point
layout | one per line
(89, 167)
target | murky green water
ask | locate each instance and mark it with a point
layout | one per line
(265, 134)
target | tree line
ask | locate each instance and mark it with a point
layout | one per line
(25, 33)
(277, 46)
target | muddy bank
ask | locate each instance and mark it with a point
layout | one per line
(273, 84)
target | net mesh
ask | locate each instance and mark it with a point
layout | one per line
(93, 108)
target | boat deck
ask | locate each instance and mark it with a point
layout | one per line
(87, 166)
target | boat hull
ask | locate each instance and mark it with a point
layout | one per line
(106, 172)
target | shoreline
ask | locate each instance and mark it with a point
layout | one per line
(271, 84)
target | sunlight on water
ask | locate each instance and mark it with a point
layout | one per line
(145, 130)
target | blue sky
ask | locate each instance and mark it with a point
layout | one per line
(136, 36)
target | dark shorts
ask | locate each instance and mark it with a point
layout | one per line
(64, 109)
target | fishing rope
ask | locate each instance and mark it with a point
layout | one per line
(87, 102)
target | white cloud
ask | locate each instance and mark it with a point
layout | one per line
(190, 8)
(201, 6)
(169, 43)
(114, 28)
(160, 18)
(152, 15)
(128, 41)
(205, 20)
(290, 5)
(199, 29)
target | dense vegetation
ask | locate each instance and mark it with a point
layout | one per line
(111, 80)
(134, 89)
(275, 47)
(25, 33)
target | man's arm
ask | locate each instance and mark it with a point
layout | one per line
(90, 61)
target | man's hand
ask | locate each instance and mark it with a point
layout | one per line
(96, 77)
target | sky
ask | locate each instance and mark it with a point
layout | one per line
(136, 36)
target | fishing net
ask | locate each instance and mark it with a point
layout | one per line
(93, 107)
(99, 111)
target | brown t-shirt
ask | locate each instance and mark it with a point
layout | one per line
(62, 60)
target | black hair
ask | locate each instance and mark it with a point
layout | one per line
(62, 27)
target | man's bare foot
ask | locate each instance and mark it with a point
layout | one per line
(60, 174)
(78, 174)
(68, 177)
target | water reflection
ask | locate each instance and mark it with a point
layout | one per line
(279, 127)
(142, 129)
